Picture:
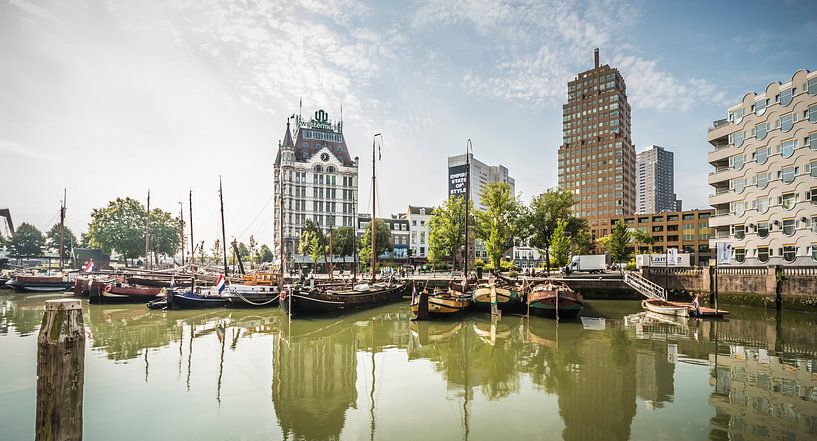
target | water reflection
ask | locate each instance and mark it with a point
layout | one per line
(608, 378)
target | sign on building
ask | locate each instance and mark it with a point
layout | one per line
(457, 177)
(724, 254)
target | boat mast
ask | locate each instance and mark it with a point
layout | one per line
(192, 242)
(147, 235)
(281, 214)
(223, 235)
(62, 228)
(468, 147)
(181, 229)
(374, 203)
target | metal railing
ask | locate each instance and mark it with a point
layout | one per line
(645, 287)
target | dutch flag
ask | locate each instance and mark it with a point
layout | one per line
(220, 284)
(90, 267)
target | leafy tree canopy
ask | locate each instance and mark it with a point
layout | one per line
(27, 241)
(446, 229)
(501, 222)
(383, 241)
(52, 240)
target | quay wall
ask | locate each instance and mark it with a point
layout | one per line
(751, 286)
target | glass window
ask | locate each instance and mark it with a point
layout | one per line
(760, 130)
(760, 107)
(813, 196)
(814, 252)
(787, 174)
(788, 227)
(740, 255)
(762, 205)
(736, 116)
(811, 114)
(739, 184)
(762, 180)
(787, 121)
(787, 148)
(813, 168)
(737, 161)
(811, 86)
(810, 141)
(761, 155)
(786, 97)
(787, 201)
(789, 253)
(736, 139)
(739, 231)
(814, 224)
(739, 208)
(763, 229)
(763, 254)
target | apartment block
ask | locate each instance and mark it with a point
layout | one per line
(655, 178)
(764, 162)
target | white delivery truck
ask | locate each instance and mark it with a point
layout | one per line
(589, 264)
(660, 260)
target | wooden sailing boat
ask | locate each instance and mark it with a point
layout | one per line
(313, 299)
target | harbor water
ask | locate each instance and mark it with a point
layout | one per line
(618, 374)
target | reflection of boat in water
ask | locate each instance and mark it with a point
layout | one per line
(555, 300)
(433, 332)
(489, 332)
(551, 334)
(680, 309)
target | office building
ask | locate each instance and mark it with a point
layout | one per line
(319, 179)
(597, 157)
(655, 178)
(764, 165)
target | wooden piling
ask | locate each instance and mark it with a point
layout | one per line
(60, 372)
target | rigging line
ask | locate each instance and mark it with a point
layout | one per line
(257, 215)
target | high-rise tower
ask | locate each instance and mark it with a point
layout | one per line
(655, 181)
(597, 157)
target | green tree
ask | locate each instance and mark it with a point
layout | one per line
(2, 241)
(618, 243)
(119, 227)
(52, 240)
(383, 236)
(560, 245)
(164, 234)
(640, 237)
(544, 214)
(201, 253)
(265, 254)
(500, 223)
(215, 252)
(343, 241)
(581, 241)
(243, 251)
(27, 241)
(446, 230)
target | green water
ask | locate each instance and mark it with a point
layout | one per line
(253, 375)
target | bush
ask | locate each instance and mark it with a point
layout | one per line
(630, 266)
(479, 262)
(513, 274)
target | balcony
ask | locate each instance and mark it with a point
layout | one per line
(718, 124)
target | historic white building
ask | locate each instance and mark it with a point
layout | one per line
(419, 219)
(319, 179)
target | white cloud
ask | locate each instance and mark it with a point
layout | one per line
(33, 9)
(15, 148)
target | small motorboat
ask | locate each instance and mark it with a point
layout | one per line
(117, 293)
(660, 306)
(194, 300)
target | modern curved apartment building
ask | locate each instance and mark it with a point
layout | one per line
(765, 175)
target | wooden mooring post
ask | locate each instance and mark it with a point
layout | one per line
(60, 372)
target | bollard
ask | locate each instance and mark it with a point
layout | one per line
(60, 372)
(422, 306)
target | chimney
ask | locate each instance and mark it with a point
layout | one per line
(596, 57)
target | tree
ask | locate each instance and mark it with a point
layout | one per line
(164, 234)
(641, 237)
(546, 210)
(26, 241)
(2, 241)
(446, 230)
(201, 253)
(581, 242)
(215, 252)
(383, 236)
(618, 243)
(343, 241)
(500, 222)
(243, 251)
(52, 240)
(253, 249)
(120, 226)
(265, 254)
(560, 245)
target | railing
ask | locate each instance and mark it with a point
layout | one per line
(645, 287)
(718, 124)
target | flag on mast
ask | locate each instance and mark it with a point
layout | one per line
(90, 267)
(220, 284)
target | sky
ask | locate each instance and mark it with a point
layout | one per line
(111, 98)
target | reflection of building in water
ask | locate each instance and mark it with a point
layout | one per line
(654, 374)
(597, 396)
(313, 379)
(762, 396)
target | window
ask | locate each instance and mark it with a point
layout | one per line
(814, 251)
(761, 155)
(736, 116)
(788, 227)
(786, 96)
(786, 122)
(762, 180)
(787, 200)
(811, 86)
(810, 141)
(760, 106)
(738, 208)
(737, 161)
(763, 229)
(761, 205)
(739, 184)
(811, 114)
(738, 231)
(736, 139)
(763, 254)
(787, 174)
(740, 255)
(789, 253)
(786, 148)
(814, 224)
(760, 130)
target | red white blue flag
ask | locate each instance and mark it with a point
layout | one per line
(220, 284)
(90, 267)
